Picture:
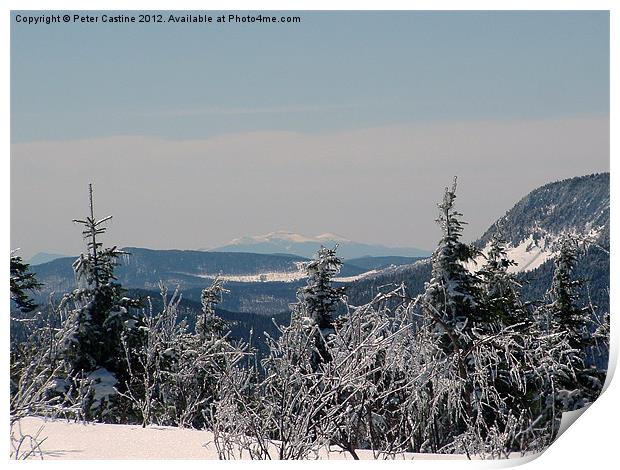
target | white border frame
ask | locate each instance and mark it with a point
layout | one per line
(593, 441)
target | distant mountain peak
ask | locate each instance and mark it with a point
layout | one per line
(284, 241)
(287, 236)
(332, 237)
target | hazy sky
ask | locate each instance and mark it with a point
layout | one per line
(348, 122)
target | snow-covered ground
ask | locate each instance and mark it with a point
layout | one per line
(276, 276)
(357, 277)
(67, 440)
(531, 253)
(281, 276)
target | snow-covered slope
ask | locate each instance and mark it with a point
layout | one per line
(578, 206)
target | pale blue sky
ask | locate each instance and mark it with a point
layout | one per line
(333, 71)
(350, 123)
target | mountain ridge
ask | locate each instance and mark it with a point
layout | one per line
(265, 284)
(283, 241)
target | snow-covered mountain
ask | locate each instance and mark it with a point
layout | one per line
(578, 206)
(532, 227)
(283, 236)
(302, 245)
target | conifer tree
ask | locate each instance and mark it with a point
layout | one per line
(452, 296)
(452, 304)
(98, 312)
(208, 324)
(22, 280)
(508, 314)
(579, 383)
(567, 314)
(500, 288)
(318, 300)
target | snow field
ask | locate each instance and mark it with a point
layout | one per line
(65, 440)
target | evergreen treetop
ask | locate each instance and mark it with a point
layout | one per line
(208, 324)
(452, 295)
(22, 280)
(319, 297)
(98, 310)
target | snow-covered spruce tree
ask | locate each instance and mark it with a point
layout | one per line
(501, 288)
(510, 314)
(98, 316)
(487, 360)
(318, 301)
(567, 315)
(452, 296)
(208, 324)
(22, 281)
(295, 366)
